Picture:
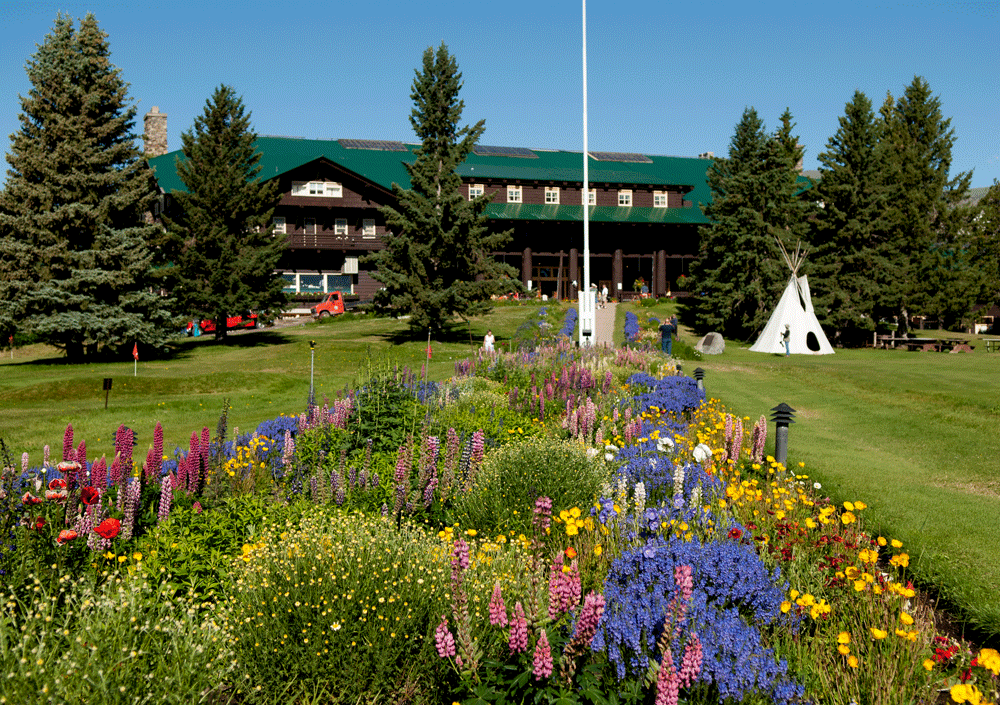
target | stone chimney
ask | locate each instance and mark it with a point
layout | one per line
(155, 133)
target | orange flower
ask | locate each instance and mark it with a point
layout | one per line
(571, 553)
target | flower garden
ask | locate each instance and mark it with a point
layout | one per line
(551, 525)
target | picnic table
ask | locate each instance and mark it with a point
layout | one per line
(929, 344)
(992, 344)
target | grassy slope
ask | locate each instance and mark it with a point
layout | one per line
(914, 435)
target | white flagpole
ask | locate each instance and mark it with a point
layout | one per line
(586, 300)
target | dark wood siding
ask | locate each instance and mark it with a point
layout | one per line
(366, 286)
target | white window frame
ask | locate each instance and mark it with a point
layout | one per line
(592, 197)
(306, 222)
(318, 189)
(624, 197)
(660, 199)
(476, 190)
(279, 225)
(340, 226)
(552, 195)
(514, 194)
(368, 228)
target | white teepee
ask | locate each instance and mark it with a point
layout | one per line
(795, 310)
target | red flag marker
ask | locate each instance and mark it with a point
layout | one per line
(428, 351)
(135, 351)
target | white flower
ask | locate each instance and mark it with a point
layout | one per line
(702, 452)
(817, 486)
(610, 452)
(664, 444)
(640, 497)
(593, 453)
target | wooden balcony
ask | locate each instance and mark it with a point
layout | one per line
(329, 241)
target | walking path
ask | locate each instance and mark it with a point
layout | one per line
(604, 325)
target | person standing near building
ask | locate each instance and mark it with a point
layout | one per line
(604, 295)
(488, 341)
(667, 331)
(786, 338)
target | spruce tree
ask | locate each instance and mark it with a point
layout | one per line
(848, 233)
(739, 275)
(74, 256)
(436, 262)
(926, 243)
(219, 246)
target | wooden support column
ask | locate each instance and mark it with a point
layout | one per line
(574, 274)
(661, 273)
(526, 266)
(616, 275)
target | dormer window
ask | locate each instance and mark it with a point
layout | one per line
(513, 194)
(475, 191)
(552, 194)
(625, 197)
(326, 189)
(659, 199)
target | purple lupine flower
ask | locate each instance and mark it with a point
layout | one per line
(478, 446)
(132, 490)
(96, 542)
(352, 477)
(197, 507)
(518, 641)
(542, 659)
(443, 639)
(314, 488)
(288, 449)
(385, 510)
(206, 454)
(498, 611)
(543, 514)
(128, 436)
(590, 617)
(166, 496)
(459, 556)
(193, 463)
(341, 496)
(157, 451)
(429, 492)
(98, 474)
(68, 443)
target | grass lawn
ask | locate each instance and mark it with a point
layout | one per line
(914, 435)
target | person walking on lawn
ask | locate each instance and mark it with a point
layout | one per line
(667, 332)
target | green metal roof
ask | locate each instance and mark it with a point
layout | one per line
(282, 154)
(598, 214)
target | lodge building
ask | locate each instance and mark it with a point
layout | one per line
(644, 210)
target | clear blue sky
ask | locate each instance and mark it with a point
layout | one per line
(664, 78)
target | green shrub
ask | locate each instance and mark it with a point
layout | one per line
(125, 641)
(482, 404)
(503, 493)
(343, 604)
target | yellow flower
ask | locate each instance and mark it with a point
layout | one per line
(901, 560)
(879, 633)
(989, 658)
(852, 661)
(470, 532)
(905, 618)
(868, 556)
(928, 664)
(847, 518)
(844, 649)
(848, 506)
(122, 559)
(852, 573)
(860, 585)
(137, 556)
(810, 524)
(844, 638)
(859, 506)
(882, 541)
(598, 550)
(786, 606)
(896, 543)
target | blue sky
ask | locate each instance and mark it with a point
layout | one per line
(664, 78)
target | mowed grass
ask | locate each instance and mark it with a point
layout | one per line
(263, 374)
(914, 435)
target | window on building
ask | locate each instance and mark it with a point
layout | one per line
(513, 194)
(552, 194)
(592, 197)
(625, 197)
(368, 228)
(659, 199)
(475, 191)
(309, 226)
(279, 226)
(329, 189)
(340, 226)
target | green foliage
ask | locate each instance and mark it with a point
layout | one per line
(355, 613)
(83, 642)
(386, 412)
(503, 493)
(483, 405)
(436, 262)
(219, 252)
(74, 257)
(756, 198)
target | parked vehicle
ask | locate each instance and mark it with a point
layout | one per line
(332, 305)
(207, 325)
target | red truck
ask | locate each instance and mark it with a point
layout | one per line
(332, 305)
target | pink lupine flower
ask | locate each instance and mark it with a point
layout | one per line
(667, 682)
(443, 639)
(543, 514)
(590, 617)
(460, 556)
(691, 663)
(154, 471)
(685, 581)
(542, 659)
(68, 443)
(518, 631)
(166, 496)
(498, 611)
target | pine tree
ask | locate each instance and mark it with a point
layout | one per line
(924, 227)
(848, 233)
(755, 199)
(219, 243)
(74, 256)
(436, 262)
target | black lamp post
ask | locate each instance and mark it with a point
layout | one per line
(783, 415)
(699, 375)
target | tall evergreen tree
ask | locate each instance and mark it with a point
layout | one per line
(74, 259)
(436, 262)
(848, 232)
(755, 199)
(219, 242)
(924, 228)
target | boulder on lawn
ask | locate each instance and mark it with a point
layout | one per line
(711, 344)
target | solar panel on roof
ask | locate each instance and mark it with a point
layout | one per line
(487, 151)
(381, 145)
(630, 157)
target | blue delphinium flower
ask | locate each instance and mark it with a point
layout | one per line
(631, 326)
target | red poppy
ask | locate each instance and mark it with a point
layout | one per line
(39, 523)
(29, 498)
(57, 484)
(55, 495)
(66, 535)
(89, 495)
(735, 533)
(108, 529)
